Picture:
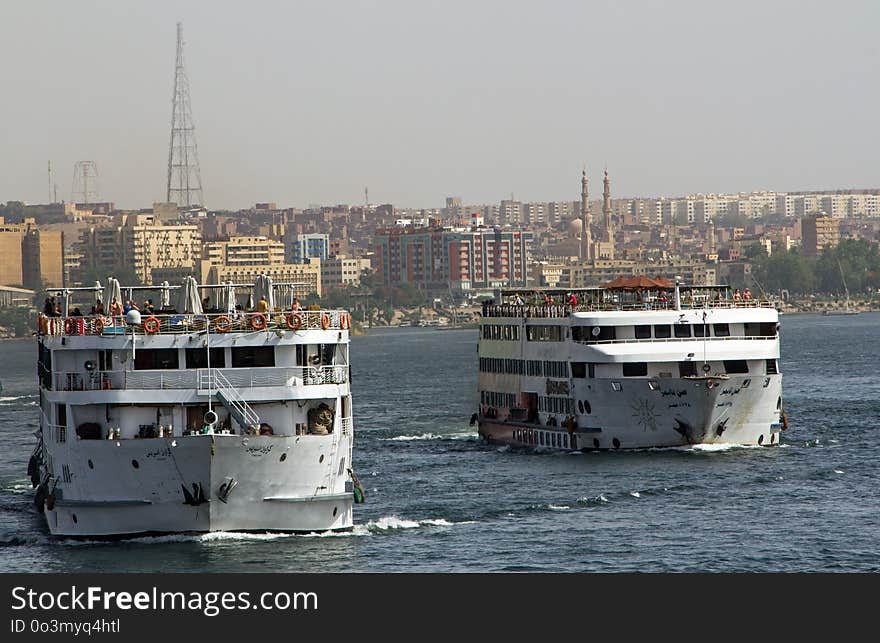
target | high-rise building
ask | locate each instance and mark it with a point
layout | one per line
(818, 232)
(487, 258)
(42, 257)
(10, 255)
(305, 276)
(136, 241)
(340, 271)
(298, 248)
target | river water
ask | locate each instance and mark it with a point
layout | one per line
(438, 500)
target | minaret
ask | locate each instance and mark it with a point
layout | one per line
(606, 212)
(586, 240)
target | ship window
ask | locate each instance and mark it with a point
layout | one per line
(591, 371)
(544, 333)
(662, 331)
(772, 368)
(579, 369)
(687, 369)
(643, 332)
(700, 330)
(198, 358)
(148, 359)
(105, 360)
(635, 369)
(601, 333)
(682, 330)
(253, 356)
(760, 329)
(721, 330)
(736, 366)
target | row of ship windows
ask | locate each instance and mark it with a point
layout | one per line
(538, 368)
(551, 333)
(556, 404)
(530, 367)
(544, 438)
(501, 331)
(498, 400)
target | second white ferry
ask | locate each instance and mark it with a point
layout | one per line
(639, 363)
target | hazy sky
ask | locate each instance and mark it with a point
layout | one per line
(309, 102)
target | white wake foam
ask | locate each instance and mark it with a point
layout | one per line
(406, 438)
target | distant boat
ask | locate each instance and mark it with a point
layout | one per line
(849, 310)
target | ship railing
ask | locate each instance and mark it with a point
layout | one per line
(189, 379)
(654, 340)
(566, 310)
(178, 324)
(347, 425)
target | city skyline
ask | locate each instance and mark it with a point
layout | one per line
(313, 104)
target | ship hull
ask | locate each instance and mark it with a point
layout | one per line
(644, 414)
(202, 484)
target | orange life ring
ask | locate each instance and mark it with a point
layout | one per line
(258, 321)
(151, 325)
(325, 321)
(69, 326)
(99, 326)
(293, 321)
(222, 324)
(343, 321)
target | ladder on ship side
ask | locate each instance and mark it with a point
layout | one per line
(214, 382)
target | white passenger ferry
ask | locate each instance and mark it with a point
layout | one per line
(639, 363)
(177, 419)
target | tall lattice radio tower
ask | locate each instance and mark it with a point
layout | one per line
(85, 182)
(184, 178)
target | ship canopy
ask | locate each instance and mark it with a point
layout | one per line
(226, 297)
(263, 290)
(165, 295)
(111, 291)
(189, 301)
(640, 282)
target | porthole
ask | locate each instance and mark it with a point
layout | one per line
(580, 407)
(778, 402)
(587, 408)
(596, 442)
(74, 518)
(91, 465)
(135, 464)
(761, 439)
(321, 459)
(335, 509)
(616, 443)
(283, 457)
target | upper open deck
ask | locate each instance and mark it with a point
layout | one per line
(537, 302)
(180, 324)
(117, 310)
